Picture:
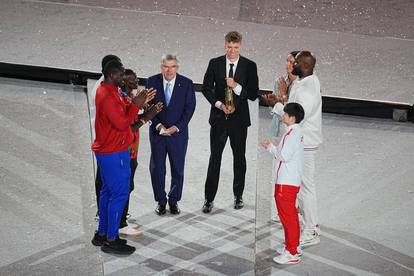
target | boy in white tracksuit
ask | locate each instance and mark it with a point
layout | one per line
(289, 154)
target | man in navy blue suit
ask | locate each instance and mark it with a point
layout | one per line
(169, 132)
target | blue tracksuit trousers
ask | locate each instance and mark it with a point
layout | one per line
(115, 173)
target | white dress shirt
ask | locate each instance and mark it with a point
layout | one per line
(172, 83)
(237, 90)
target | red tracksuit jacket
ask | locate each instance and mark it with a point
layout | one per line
(113, 120)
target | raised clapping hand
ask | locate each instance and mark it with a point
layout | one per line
(282, 86)
(144, 96)
(270, 99)
(150, 94)
(152, 111)
(266, 144)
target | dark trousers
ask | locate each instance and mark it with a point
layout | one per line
(218, 138)
(176, 148)
(98, 188)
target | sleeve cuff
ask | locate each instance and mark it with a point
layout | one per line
(218, 104)
(271, 148)
(237, 90)
(278, 109)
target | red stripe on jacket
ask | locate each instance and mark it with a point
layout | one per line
(283, 143)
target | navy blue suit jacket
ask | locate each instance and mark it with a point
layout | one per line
(180, 109)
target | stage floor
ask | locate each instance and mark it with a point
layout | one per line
(364, 168)
(48, 203)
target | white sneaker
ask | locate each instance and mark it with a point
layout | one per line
(309, 237)
(282, 248)
(129, 231)
(134, 225)
(318, 230)
(287, 258)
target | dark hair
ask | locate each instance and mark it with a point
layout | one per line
(295, 109)
(107, 59)
(129, 72)
(233, 36)
(294, 53)
(111, 67)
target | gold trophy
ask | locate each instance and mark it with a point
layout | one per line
(229, 101)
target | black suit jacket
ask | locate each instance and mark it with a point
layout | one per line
(214, 85)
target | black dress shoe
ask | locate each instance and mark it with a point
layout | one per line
(174, 210)
(98, 239)
(238, 202)
(160, 210)
(123, 241)
(208, 206)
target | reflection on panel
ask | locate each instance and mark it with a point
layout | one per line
(362, 167)
(45, 173)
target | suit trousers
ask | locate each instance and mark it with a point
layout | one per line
(219, 133)
(115, 173)
(285, 197)
(176, 148)
(307, 195)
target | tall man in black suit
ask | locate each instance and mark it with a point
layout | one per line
(240, 74)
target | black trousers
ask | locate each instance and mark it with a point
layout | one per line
(98, 187)
(218, 138)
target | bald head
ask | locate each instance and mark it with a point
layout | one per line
(308, 59)
(304, 64)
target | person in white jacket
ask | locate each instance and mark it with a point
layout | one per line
(289, 174)
(306, 91)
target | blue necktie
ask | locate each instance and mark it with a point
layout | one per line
(168, 93)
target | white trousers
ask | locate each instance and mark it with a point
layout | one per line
(307, 193)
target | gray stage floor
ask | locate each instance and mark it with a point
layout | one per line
(365, 171)
(48, 203)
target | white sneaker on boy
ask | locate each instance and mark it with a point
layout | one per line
(283, 248)
(287, 258)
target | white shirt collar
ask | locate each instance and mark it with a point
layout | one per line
(228, 65)
(172, 82)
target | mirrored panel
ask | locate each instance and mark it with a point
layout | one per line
(362, 170)
(46, 179)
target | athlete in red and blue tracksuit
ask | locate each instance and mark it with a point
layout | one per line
(113, 137)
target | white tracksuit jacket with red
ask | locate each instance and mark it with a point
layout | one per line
(289, 153)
